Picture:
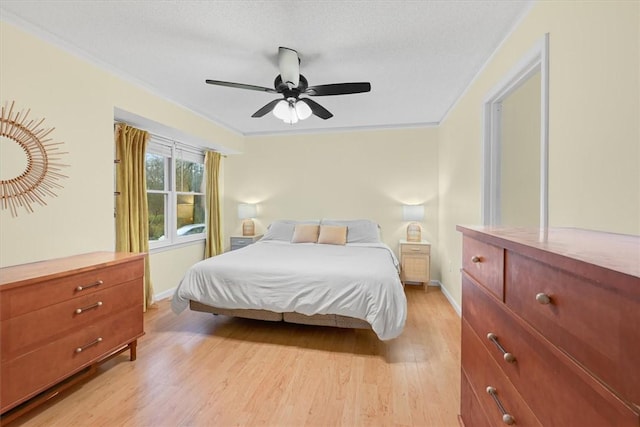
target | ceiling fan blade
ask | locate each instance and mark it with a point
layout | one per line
(240, 86)
(338, 89)
(266, 109)
(289, 64)
(317, 109)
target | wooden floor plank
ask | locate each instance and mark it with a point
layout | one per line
(195, 369)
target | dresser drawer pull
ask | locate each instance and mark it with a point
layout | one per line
(543, 298)
(81, 288)
(509, 357)
(84, 347)
(506, 418)
(83, 309)
(476, 259)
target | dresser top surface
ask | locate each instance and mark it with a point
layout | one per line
(50, 269)
(618, 252)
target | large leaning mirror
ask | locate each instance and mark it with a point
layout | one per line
(515, 144)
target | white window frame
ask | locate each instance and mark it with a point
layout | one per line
(171, 151)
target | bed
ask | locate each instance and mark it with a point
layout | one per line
(330, 273)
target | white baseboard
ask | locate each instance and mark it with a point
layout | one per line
(166, 294)
(447, 295)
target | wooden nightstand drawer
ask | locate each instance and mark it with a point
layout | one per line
(409, 249)
(238, 242)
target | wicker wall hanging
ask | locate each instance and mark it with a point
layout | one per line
(42, 170)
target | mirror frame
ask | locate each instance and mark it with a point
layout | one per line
(42, 172)
(536, 60)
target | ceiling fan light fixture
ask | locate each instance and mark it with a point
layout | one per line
(281, 110)
(291, 84)
(293, 119)
(291, 111)
(303, 110)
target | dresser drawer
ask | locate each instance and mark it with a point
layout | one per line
(25, 333)
(21, 300)
(541, 373)
(597, 323)
(409, 249)
(483, 372)
(241, 241)
(470, 411)
(33, 372)
(485, 263)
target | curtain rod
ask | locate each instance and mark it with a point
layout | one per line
(167, 139)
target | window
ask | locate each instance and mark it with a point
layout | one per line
(175, 192)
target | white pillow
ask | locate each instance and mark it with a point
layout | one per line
(283, 229)
(358, 230)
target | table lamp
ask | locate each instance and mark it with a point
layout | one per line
(413, 213)
(247, 212)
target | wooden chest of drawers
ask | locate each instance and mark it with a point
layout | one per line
(550, 328)
(61, 316)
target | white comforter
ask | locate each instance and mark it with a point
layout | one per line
(358, 280)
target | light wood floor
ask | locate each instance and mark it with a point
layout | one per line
(197, 369)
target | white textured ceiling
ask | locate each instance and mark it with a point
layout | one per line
(418, 55)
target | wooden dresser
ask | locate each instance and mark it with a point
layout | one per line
(550, 328)
(62, 317)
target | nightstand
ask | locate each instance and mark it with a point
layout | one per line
(415, 259)
(238, 242)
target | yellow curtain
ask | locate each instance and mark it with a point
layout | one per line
(132, 212)
(213, 244)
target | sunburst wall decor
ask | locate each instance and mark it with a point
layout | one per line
(41, 173)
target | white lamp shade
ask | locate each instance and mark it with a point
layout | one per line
(303, 110)
(293, 116)
(247, 211)
(281, 110)
(290, 111)
(412, 212)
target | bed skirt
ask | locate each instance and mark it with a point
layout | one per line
(316, 319)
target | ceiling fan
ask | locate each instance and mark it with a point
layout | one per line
(291, 85)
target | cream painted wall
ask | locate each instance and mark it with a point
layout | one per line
(168, 267)
(594, 136)
(594, 147)
(349, 175)
(78, 99)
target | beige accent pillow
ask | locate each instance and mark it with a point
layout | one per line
(333, 234)
(305, 233)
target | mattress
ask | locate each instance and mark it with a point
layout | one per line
(357, 280)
